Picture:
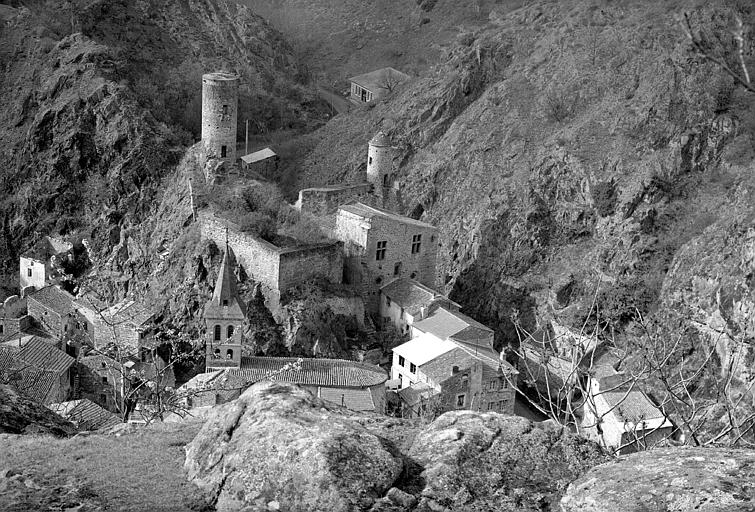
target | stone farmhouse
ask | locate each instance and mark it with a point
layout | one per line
(618, 415)
(14, 317)
(51, 309)
(404, 301)
(375, 84)
(126, 324)
(37, 369)
(37, 265)
(450, 363)
(381, 246)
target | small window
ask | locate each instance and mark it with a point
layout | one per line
(401, 361)
(413, 275)
(103, 364)
(225, 302)
(388, 301)
(369, 161)
(412, 368)
(229, 332)
(460, 400)
(223, 151)
(378, 280)
(225, 110)
(416, 243)
(104, 379)
(385, 180)
(103, 398)
(397, 268)
(381, 248)
(2, 328)
(464, 380)
(217, 333)
(28, 272)
(229, 354)
(216, 354)
(86, 326)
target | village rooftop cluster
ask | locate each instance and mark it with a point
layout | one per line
(92, 361)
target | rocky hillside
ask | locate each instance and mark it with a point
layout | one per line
(575, 154)
(279, 448)
(101, 99)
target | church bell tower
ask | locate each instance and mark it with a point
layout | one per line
(224, 315)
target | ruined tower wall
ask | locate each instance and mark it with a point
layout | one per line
(219, 112)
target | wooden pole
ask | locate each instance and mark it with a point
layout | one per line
(246, 147)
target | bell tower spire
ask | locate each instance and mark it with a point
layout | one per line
(224, 314)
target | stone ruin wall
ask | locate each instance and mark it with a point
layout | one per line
(326, 200)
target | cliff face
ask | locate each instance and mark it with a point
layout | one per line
(101, 99)
(567, 153)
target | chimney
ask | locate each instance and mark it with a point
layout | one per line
(422, 312)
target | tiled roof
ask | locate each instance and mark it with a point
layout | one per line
(354, 399)
(35, 383)
(313, 372)
(378, 79)
(54, 298)
(39, 353)
(409, 294)
(545, 367)
(258, 156)
(100, 362)
(631, 405)
(445, 324)
(85, 414)
(368, 212)
(130, 312)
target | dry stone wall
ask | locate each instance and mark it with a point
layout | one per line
(326, 200)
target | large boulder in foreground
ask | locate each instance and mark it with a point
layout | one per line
(486, 461)
(21, 415)
(278, 447)
(700, 479)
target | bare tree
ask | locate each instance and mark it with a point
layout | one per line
(714, 49)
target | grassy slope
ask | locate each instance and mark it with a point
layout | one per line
(139, 471)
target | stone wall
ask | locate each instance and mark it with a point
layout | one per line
(302, 264)
(274, 268)
(51, 321)
(13, 317)
(483, 391)
(326, 200)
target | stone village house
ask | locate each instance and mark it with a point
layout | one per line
(375, 84)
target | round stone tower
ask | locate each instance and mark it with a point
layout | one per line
(380, 164)
(220, 99)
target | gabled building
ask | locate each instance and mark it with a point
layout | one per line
(404, 301)
(51, 308)
(375, 84)
(36, 266)
(14, 317)
(224, 315)
(381, 246)
(37, 369)
(453, 354)
(263, 162)
(101, 379)
(618, 415)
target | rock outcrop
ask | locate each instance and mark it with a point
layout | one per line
(20, 415)
(701, 479)
(278, 445)
(475, 461)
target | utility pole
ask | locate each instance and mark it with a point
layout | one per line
(246, 147)
(191, 199)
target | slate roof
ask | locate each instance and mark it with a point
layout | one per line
(314, 372)
(32, 382)
(54, 298)
(633, 406)
(409, 294)
(375, 80)
(225, 293)
(451, 324)
(258, 156)
(129, 312)
(369, 212)
(550, 369)
(85, 414)
(354, 399)
(101, 362)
